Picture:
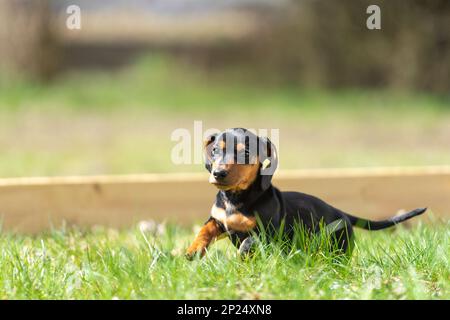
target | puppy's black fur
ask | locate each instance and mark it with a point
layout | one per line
(261, 198)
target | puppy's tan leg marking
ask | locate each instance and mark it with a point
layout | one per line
(208, 233)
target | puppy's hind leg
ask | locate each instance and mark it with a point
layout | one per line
(343, 244)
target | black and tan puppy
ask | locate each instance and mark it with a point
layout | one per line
(241, 166)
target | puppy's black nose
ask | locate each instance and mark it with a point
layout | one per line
(220, 174)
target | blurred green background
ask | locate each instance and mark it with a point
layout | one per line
(105, 99)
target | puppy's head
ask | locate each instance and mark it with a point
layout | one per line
(237, 158)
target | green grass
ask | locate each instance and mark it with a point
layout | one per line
(133, 264)
(158, 82)
(120, 122)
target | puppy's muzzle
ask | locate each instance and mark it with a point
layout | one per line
(220, 174)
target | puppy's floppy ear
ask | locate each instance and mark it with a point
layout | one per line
(268, 158)
(207, 148)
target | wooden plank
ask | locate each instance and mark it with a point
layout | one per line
(32, 205)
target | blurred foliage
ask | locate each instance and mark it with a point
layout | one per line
(28, 47)
(104, 122)
(323, 43)
(380, 111)
(306, 43)
(163, 83)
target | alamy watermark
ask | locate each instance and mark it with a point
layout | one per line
(189, 147)
(373, 22)
(73, 21)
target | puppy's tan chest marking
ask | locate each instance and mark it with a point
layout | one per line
(236, 221)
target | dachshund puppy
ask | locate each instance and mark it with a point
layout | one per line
(241, 166)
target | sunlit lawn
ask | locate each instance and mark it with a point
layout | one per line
(134, 264)
(121, 122)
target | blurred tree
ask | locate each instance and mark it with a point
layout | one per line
(327, 43)
(27, 47)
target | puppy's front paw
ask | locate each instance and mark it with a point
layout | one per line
(190, 255)
(193, 252)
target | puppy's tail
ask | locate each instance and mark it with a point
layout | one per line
(378, 225)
